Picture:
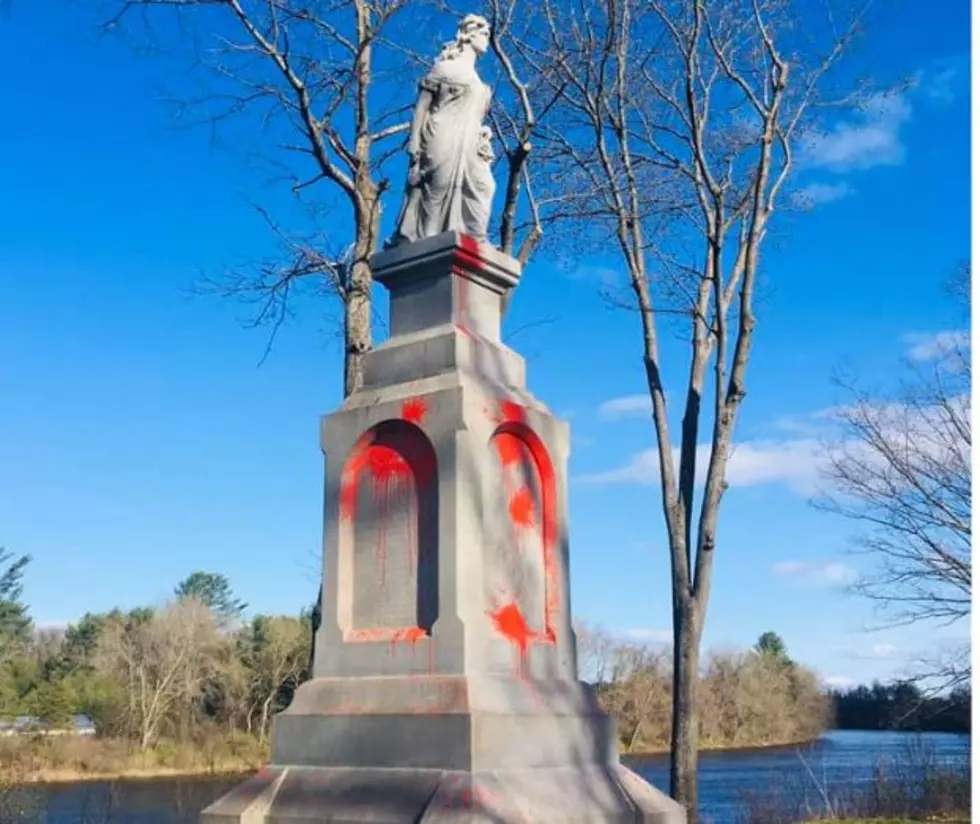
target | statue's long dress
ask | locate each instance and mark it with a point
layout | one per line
(456, 185)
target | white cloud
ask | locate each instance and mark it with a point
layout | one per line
(604, 275)
(938, 85)
(817, 194)
(931, 347)
(876, 652)
(882, 651)
(794, 463)
(839, 681)
(626, 406)
(870, 138)
(816, 572)
(649, 635)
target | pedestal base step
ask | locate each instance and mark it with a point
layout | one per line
(560, 795)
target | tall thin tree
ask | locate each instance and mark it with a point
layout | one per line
(676, 123)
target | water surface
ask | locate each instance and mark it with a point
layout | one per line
(837, 759)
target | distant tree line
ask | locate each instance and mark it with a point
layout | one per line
(746, 698)
(195, 669)
(187, 669)
(902, 706)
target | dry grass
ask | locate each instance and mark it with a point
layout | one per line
(914, 786)
(58, 759)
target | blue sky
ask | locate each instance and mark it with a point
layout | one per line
(139, 440)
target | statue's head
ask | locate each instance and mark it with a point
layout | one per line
(473, 31)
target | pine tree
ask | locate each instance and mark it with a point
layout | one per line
(54, 703)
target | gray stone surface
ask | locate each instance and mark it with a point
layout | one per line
(445, 659)
(560, 795)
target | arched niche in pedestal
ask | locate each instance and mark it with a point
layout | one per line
(522, 571)
(388, 573)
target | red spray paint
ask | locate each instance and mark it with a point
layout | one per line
(467, 257)
(510, 622)
(512, 412)
(513, 441)
(522, 508)
(414, 410)
(395, 461)
(403, 635)
(509, 448)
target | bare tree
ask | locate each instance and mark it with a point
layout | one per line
(640, 692)
(901, 468)
(323, 85)
(160, 662)
(675, 123)
(597, 653)
(276, 653)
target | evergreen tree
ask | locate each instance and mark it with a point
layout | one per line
(772, 647)
(15, 623)
(54, 703)
(213, 590)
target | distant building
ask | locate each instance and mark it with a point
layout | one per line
(32, 725)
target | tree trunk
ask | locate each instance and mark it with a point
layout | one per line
(635, 736)
(357, 309)
(357, 326)
(684, 737)
(264, 726)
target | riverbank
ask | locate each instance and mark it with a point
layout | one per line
(65, 760)
(653, 752)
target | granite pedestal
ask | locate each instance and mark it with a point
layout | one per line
(445, 684)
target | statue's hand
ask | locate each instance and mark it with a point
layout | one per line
(484, 146)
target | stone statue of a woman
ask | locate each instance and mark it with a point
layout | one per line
(450, 185)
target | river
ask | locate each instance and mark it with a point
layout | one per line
(835, 760)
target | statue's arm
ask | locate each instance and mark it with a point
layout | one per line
(422, 106)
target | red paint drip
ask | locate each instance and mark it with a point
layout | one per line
(348, 484)
(522, 507)
(517, 444)
(405, 635)
(409, 635)
(414, 410)
(390, 473)
(511, 623)
(397, 460)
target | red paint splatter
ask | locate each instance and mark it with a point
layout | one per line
(509, 448)
(516, 443)
(467, 257)
(470, 245)
(410, 634)
(348, 483)
(388, 470)
(387, 466)
(511, 412)
(414, 410)
(403, 635)
(522, 507)
(390, 474)
(399, 462)
(511, 623)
